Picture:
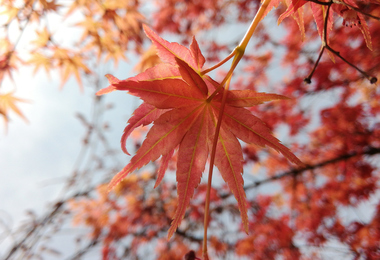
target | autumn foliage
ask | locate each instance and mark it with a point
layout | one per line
(291, 123)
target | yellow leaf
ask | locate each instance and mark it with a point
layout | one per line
(148, 59)
(70, 64)
(8, 63)
(8, 103)
(38, 60)
(11, 12)
(43, 38)
(49, 5)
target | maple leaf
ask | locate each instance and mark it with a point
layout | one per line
(50, 5)
(179, 101)
(148, 59)
(10, 11)
(8, 103)
(70, 63)
(9, 61)
(39, 60)
(350, 16)
(43, 37)
(319, 13)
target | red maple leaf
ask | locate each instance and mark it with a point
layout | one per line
(319, 10)
(179, 100)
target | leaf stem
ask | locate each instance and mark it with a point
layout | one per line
(237, 58)
(240, 49)
(371, 79)
(219, 63)
(308, 78)
(212, 160)
(259, 15)
(238, 53)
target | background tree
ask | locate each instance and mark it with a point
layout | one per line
(331, 124)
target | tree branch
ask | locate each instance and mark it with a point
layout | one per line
(294, 172)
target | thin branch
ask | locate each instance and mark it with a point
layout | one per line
(35, 228)
(84, 250)
(319, 2)
(325, 44)
(295, 172)
(189, 237)
(39, 225)
(308, 78)
(371, 79)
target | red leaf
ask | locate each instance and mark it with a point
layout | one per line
(166, 133)
(197, 54)
(190, 123)
(365, 31)
(319, 13)
(164, 165)
(228, 159)
(168, 51)
(192, 156)
(292, 8)
(248, 98)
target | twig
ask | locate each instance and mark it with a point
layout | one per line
(371, 79)
(308, 78)
(294, 172)
(325, 44)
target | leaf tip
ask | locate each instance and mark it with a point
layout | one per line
(118, 178)
(145, 27)
(244, 218)
(104, 91)
(110, 187)
(246, 229)
(171, 232)
(123, 142)
(124, 149)
(301, 164)
(279, 97)
(147, 30)
(112, 79)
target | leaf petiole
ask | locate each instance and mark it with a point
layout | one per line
(212, 159)
(259, 15)
(235, 62)
(238, 53)
(232, 54)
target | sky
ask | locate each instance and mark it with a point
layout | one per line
(36, 156)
